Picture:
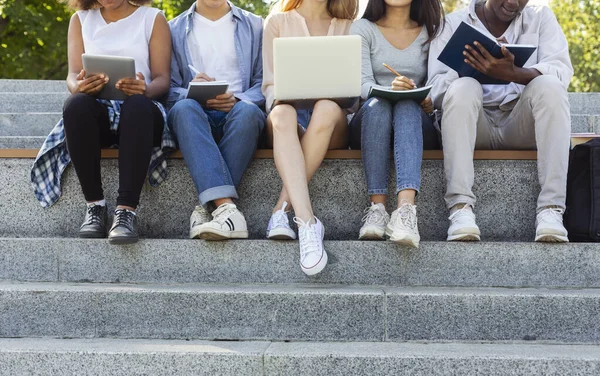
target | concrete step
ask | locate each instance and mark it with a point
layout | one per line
(33, 86)
(40, 124)
(584, 103)
(21, 142)
(32, 102)
(506, 209)
(263, 261)
(49, 357)
(298, 312)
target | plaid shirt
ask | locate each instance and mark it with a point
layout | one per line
(53, 158)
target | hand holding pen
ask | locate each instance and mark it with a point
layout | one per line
(198, 76)
(401, 82)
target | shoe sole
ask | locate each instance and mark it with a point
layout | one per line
(371, 235)
(551, 238)
(405, 240)
(221, 235)
(464, 238)
(281, 235)
(318, 268)
(92, 235)
(123, 241)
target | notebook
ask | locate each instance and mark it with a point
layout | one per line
(204, 91)
(465, 34)
(307, 69)
(394, 96)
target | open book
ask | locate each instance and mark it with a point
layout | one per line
(394, 96)
(452, 55)
(204, 91)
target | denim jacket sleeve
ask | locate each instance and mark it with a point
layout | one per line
(254, 93)
(176, 91)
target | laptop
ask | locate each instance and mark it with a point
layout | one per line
(307, 69)
(115, 67)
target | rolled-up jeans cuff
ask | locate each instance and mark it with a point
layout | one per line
(404, 187)
(215, 193)
(372, 192)
(460, 200)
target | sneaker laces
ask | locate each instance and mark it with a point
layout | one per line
(465, 211)
(280, 217)
(309, 238)
(551, 215)
(223, 212)
(124, 218)
(406, 217)
(374, 215)
(95, 214)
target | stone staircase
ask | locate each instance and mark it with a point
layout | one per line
(172, 306)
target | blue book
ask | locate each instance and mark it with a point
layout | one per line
(453, 57)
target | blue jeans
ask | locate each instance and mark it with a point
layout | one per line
(371, 130)
(217, 146)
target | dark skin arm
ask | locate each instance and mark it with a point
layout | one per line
(503, 69)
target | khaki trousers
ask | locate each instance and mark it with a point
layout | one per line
(539, 120)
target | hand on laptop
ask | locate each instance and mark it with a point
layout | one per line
(202, 77)
(224, 102)
(91, 85)
(401, 83)
(132, 86)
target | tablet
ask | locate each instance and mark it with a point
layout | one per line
(204, 91)
(114, 67)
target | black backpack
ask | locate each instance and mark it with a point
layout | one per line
(582, 217)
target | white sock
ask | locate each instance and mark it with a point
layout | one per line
(97, 203)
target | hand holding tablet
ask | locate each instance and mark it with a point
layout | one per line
(118, 70)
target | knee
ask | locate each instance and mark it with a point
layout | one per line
(325, 116)
(253, 117)
(377, 106)
(186, 113)
(548, 90)
(78, 104)
(465, 91)
(137, 103)
(407, 108)
(284, 119)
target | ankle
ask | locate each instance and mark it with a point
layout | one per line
(460, 206)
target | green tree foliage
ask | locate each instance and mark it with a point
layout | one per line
(580, 20)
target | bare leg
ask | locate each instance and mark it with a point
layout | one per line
(407, 195)
(327, 130)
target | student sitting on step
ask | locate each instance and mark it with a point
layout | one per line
(301, 138)
(532, 112)
(397, 33)
(215, 40)
(118, 28)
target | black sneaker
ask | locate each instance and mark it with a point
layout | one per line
(94, 224)
(123, 229)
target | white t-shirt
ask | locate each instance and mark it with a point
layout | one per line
(212, 48)
(127, 37)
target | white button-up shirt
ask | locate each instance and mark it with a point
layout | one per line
(535, 25)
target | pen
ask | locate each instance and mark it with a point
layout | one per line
(396, 73)
(391, 69)
(194, 70)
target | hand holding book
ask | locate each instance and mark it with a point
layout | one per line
(481, 60)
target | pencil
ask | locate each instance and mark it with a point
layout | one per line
(392, 70)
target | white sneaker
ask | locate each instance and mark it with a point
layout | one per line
(279, 226)
(549, 226)
(199, 217)
(228, 223)
(375, 219)
(463, 226)
(403, 227)
(313, 257)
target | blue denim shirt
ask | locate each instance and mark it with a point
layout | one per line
(248, 45)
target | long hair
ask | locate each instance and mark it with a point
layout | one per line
(93, 4)
(341, 9)
(428, 13)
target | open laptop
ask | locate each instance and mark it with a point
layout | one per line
(309, 69)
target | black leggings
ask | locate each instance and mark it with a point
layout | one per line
(87, 130)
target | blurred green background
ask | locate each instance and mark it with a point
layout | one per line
(33, 35)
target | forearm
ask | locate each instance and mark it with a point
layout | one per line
(523, 76)
(158, 87)
(72, 82)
